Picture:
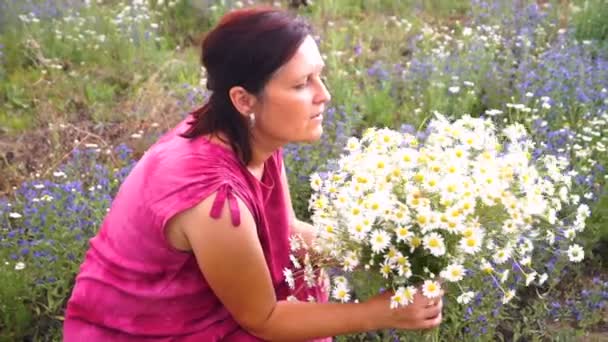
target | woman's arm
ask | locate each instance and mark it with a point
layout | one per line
(233, 264)
(232, 261)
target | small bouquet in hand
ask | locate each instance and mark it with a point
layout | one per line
(415, 215)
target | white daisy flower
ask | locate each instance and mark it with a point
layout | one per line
(295, 242)
(431, 289)
(403, 296)
(386, 269)
(398, 299)
(340, 280)
(59, 174)
(471, 244)
(379, 240)
(316, 182)
(352, 144)
(454, 89)
(530, 278)
(508, 296)
(409, 293)
(486, 267)
(570, 234)
(403, 233)
(453, 273)
(504, 276)
(309, 273)
(543, 278)
(350, 261)
(465, 297)
(14, 215)
(19, 266)
(576, 253)
(550, 238)
(434, 243)
(289, 278)
(340, 292)
(502, 255)
(493, 112)
(295, 262)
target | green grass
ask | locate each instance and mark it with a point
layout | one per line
(590, 20)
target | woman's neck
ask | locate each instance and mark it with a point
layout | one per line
(261, 150)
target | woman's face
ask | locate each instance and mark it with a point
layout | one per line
(291, 104)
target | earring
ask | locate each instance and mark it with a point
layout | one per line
(251, 120)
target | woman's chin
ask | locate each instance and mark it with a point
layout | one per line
(316, 135)
(309, 138)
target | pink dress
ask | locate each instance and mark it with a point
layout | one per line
(133, 286)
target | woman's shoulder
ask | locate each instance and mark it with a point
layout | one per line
(177, 154)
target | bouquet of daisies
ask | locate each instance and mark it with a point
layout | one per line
(415, 214)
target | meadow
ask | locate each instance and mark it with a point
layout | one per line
(87, 86)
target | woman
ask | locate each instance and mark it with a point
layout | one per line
(196, 240)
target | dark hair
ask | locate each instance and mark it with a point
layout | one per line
(244, 49)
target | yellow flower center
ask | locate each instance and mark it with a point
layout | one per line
(422, 219)
(415, 241)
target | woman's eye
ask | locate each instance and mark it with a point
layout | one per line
(302, 85)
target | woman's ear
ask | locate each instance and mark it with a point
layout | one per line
(242, 100)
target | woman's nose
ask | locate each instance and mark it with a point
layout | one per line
(323, 95)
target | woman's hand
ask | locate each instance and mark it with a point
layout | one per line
(422, 314)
